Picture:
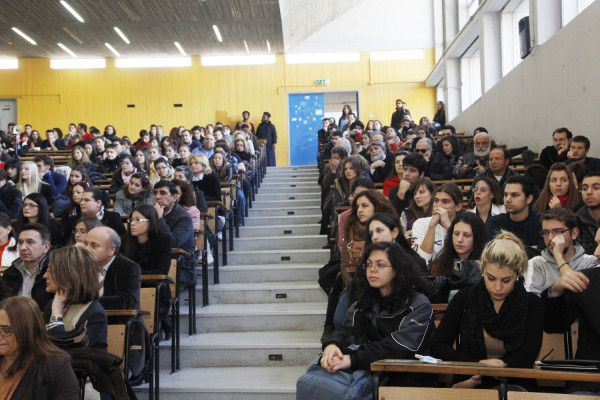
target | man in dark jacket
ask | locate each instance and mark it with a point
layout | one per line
(498, 169)
(11, 199)
(266, 130)
(589, 214)
(558, 152)
(45, 166)
(381, 161)
(25, 277)
(398, 115)
(178, 223)
(121, 278)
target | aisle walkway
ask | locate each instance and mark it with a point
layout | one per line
(265, 318)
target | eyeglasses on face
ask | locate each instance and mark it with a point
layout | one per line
(481, 189)
(6, 331)
(79, 231)
(555, 232)
(130, 220)
(422, 150)
(378, 266)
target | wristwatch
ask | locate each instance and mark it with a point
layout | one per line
(55, 318)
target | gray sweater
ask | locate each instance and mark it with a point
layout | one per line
(542, 271)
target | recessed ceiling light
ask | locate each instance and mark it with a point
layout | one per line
(212, 61)
(180, 48)
(246, 46)
(112, 49)
(122, 35)
(321, 58)
(153, 62)
(216, 29)
(72, 11)
(79, 63)
(65, 48)
(9, 63)
(24, 36)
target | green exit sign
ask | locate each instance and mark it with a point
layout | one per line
(322, 82)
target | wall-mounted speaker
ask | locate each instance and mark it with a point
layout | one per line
(524, 37)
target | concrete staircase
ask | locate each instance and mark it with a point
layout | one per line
(265, 318)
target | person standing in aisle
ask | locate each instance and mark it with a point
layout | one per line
(266, 130)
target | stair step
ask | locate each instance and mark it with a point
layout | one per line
(231, 383)
(279, 242)
(258, 211)
(266, 273)
(286, 203)
(289, 220)
(246, 349)
(264, 292)
(287, 189)
(279, 230)
(278, 256)
(257, 317)
(287, 196)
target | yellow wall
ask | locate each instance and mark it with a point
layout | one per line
(54, 98)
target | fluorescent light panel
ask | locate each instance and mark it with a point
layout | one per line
(246, 46)
(9, 63)
(24, 36)
(321, 58)
(212, 61)
(112, 49)
(122, 35)
(79, 63)
(409, 54)
(72, 11)
(153, 62)
(216, 29)
(65, 48)
(180, 48)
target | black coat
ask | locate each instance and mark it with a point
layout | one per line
(266, 130)
(381, 173)
(14, 280)
(122, 285)
(113, 220)
(210, 186)
(11, 201)
(52, 379)
(178, 224)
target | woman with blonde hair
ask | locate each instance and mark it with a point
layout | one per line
(495, 322)
(31, 182)
(72, 276)
(560, 191)
(203, 178)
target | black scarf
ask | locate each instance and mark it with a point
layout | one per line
(508, 325)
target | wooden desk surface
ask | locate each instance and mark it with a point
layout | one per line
(472, 368)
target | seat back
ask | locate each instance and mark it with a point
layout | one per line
(116, 339)
(148, 303)
(426, 393)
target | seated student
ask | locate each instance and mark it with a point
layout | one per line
(203, 178)
(163, 170)
(183, 173)
(81, 228)
(475, 162)
(77, 175)
(184, 155)
(519, 219)
(31, 182)
(392, 139)
(498, 168)
(186, 199)
(120, 278)
(12, 168)
(391, 318)
(57, 182)
(121, 176)
(136, 192)
(495, 322)
(360, 185)
(92, 204)
(52, 142)
(35, 210)
(420, 204)
(589, 214)
(428, 233)
(222, 167)
(486, 200)
(79, 157)
(396, 174)
(10, 198)
(558, 152)
(75, 286)
(567, 301)
(381, 161)
(8, 241)
(353, 168)
(457, 265)
(34, 368)
(580, 147)
(414, 167)
(445, 158)
(559, 191)
(562, 254)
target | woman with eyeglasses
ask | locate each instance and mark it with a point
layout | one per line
(560, 190)
(8, 241)
(486, 200)
(31, 366)
(495, 322)
(136, 192)
(35, 210)
(391, 318)
(81, 228)
(163, 171)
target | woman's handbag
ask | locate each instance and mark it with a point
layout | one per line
(319, 384)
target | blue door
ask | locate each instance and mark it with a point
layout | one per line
(306, 112)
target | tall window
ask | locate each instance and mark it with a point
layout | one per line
(470, 72)
(509, 22)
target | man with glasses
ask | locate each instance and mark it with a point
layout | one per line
(175, 220)
(25, 277)
(562, 256)
(589, 215)
(476, 162)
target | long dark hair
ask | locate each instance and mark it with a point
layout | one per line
(146, 186)
(444, 262)
(29, 331)
(5, 222)
(131, 243)
(494, 187)
(541, 203)
(380, 204)
(417, 211)
(43, 212)
(406, 282)
(85, 177)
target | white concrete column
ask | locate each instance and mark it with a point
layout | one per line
(490, 47)
(453, 97)
(450, 22)
(545, 19)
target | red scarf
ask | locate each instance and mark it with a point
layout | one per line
(563, 199)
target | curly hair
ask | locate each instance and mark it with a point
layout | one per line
(380, 204)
